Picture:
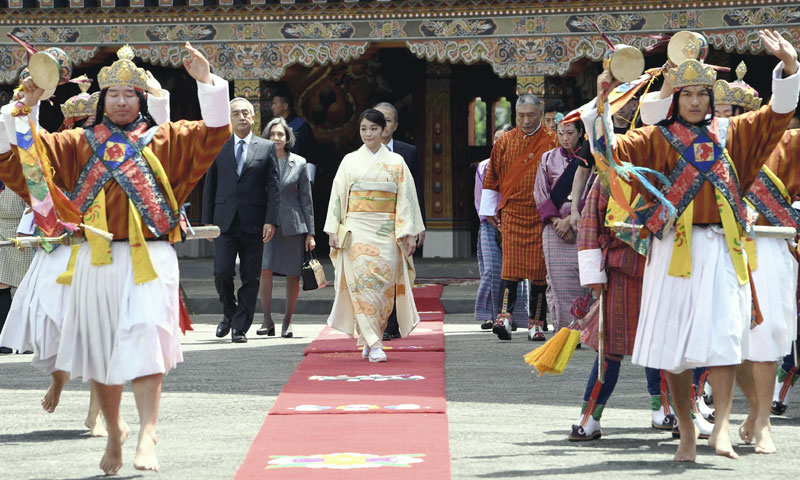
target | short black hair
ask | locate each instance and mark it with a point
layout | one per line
(374, 116)
(675, 116)
(284, 94)
(556, 105)
(143, 111)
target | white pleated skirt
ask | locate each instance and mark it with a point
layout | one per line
(775, 279)
(703, 320)
(114, 330)
(37, 310)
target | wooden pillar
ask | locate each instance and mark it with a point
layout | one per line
(251, 90)
(446, 236)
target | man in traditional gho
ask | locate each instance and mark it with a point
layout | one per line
(710, 161)
(614, 269)
(128, 177)
(37, 311)
(622, 120)
(773, 267)
(507, 198)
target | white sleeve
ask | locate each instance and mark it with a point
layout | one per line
(26, 224)
(214, 102)
(589, 262)
(784, 90)
(12, 123)
(589, 115)
(5, 118)
(159, 107)
(490, 199)
(9, 134)
(654, 108)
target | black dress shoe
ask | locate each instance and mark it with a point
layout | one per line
(5, 350)
(387, 336)
(395, 335)
(223, 328)
(238, 337)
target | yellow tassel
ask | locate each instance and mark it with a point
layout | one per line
(549, 351)
(566, 352)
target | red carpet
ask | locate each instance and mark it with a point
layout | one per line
(353, 447)
(428, 298)
(392, 422)
(410, 382)
(427, 337)
(431, 316)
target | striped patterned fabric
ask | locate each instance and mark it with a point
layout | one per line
(490, 263)
(624, 268)
(512, 171)
(563, 279)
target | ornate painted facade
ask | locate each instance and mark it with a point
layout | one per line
(530, 42)
(261, 40)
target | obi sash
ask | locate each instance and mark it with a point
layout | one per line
(703, 157)
(118, 155)
(769, 197)
(379, 197)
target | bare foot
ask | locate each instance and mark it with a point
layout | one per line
(112, 458)
(746, 431)
(146, 458)
(96, 426)
(687, 448)
(764, 442)
(53, 395)
(720, 441)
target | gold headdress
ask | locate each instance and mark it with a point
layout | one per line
(691, 73)
(123, 72)
(737, 93)
(82, 104)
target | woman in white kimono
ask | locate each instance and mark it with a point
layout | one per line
(373, 219)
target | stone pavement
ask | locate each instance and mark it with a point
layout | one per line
(504, 421)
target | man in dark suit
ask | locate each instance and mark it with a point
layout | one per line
(409, 154)
(241, 195)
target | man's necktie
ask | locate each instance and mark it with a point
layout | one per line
(240, 157)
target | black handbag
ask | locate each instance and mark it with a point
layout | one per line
(312, 273)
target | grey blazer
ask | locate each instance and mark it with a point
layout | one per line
(296, 210)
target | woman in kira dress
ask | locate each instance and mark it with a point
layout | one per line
(373, 218)
(551, 191)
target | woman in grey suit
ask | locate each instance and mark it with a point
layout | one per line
(295, 234)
